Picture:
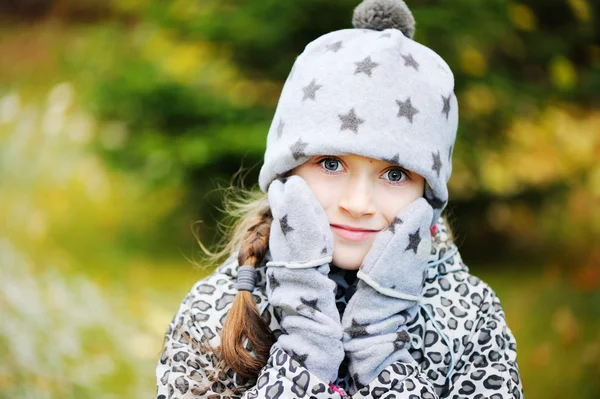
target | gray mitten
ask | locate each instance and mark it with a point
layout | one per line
(301, 246)
(387, 295)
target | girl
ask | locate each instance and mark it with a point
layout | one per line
(344, 280)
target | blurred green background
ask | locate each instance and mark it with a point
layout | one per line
(119, 119)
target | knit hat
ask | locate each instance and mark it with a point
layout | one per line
(370, 91)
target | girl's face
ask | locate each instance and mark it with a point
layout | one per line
(361, 196)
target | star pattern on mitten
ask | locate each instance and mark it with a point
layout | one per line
(298, 149)
(366, 66)
(350, 121)
(357, 330)
(410, 61)
(334, 46)
(450, 153)
(312, 304)
(406, 109)
(437, 163)
(299, 358)
(393, 224)
(446, 108)
(311, 90)
(285, 227)
(280, 128)
(273, 283)
(402, 337)
(414, 240)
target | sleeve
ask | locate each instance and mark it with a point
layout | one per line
(487, 367)
(284, 377)
(189, 366)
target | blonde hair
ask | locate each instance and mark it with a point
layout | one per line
(248, 222)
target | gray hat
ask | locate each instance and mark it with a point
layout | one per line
(370, 91)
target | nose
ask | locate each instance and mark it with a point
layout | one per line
(357, 197)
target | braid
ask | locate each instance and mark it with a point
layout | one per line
(243, 319)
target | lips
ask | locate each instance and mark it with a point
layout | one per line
(352, 233)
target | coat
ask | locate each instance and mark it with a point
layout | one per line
(459, 339)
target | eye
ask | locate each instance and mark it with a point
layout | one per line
(395, 174)
(330, 164)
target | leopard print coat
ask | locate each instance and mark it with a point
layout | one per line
(460, 341)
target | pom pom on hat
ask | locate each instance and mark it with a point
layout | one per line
(384, 14)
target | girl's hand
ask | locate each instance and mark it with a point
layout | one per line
(391, 278)
(298, 285)
(396, 262)
(300, 232)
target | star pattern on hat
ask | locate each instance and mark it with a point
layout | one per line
(414, 240)
(298, 149)
(402, 338)
(334, 46)
(437, 163)
(365, 66)
(357, 330)
(410, 61)
(280, 128)
(396, 221)
(285, 227)
(446, 108)
(312, 304)
(386, 34)
(299, 358)
(395, 159)
(406, 109)
(311, 90)
(450, 153)
(350, 121)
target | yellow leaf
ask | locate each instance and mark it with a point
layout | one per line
(562, 73)
(522, 17)
(495, 176)
(473, 62)
(581, 9)
(184, 61)
(479, 100)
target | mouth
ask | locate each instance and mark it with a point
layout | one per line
(353, 233)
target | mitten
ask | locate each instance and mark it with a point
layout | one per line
(298, 286)
(387, 295)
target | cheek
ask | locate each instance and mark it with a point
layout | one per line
(319, 183)
(324, 189)
(325, 192)
(392, 201)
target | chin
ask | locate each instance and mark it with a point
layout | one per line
(349, 256)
